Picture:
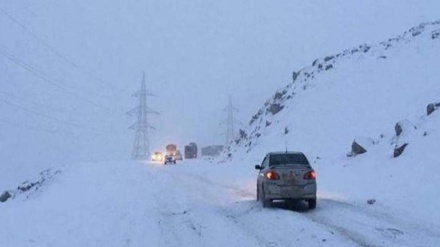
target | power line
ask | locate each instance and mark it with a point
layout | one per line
(39, 104)
(88, 130)
(45, 78)
(42, 115)
(55, 119)
(41, 75)
(48, 130)
(50, 48)
(33, 128)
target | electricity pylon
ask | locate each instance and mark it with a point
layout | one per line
(230, 122)
(141, 145)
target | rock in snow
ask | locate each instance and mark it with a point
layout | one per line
(398, 150)
(371, 201)
(275, 108)
(360, 145)
(404, 126)
(432, 107)
(5, 196)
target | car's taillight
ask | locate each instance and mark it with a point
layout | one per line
(272, 175)
(310, 175)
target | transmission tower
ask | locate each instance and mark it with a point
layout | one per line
(230, 122)
(141, 145)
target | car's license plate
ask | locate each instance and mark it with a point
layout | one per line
(289, 178)
(291, 190)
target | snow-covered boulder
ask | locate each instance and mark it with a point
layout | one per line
(405, 132)
(432, 107)
(360, 145)
(404, 126)
(398, 150)
(275, 108)
(5, 196)
(435, 34)
(25, 186)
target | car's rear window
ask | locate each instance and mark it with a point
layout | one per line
(288, 159)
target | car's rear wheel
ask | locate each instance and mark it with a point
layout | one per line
(258, 194)
(312, 203)
(265, 202)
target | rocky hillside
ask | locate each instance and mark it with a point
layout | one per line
(363, 91)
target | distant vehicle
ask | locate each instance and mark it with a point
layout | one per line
(178, 155)
(157, 157)
(191, 151)
(286, 176)
(171, 149)
(169, 159)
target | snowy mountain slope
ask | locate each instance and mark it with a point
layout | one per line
(367, 85)
(362, 92)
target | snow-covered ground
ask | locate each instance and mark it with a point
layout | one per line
(194, 204)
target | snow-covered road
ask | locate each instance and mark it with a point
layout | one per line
(190, 204)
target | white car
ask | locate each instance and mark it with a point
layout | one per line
(286, 176)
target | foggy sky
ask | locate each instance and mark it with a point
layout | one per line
(194, 53)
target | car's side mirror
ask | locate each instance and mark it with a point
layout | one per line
(257, 167)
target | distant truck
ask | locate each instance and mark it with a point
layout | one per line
(171, 149)
(191, 151)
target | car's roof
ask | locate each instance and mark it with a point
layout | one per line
(288, 152)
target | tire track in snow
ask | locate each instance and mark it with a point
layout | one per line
(262, 241)
(388, 233)
(230, 216)
(237, 191)
(189, 216)
(362, 226)
(213, 188)
(367, 227)
(137, 219)
(166, 222)
(232, 212)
